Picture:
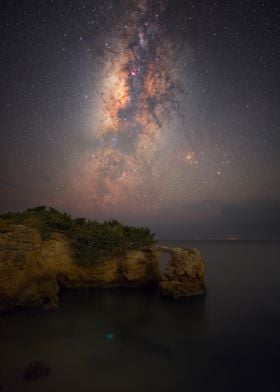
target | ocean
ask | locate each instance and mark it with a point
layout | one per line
(125, 340)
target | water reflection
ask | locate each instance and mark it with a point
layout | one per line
(132, 340)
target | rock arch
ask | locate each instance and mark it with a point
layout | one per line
(184, 274)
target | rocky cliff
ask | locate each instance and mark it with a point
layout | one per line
(32, 271)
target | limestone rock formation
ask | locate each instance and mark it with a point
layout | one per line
(184, 274)
(32, 271)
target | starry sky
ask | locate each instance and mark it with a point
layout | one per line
(162, 113)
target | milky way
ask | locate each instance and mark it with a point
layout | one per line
(140, 95)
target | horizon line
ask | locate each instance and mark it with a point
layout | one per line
(218, 239)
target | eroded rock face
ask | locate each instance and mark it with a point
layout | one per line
(24, 281)
(184, 274)
(32, 271)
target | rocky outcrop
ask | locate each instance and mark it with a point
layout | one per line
(36, 369)
(32, 271)
(184, 274)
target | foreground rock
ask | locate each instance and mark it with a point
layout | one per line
(184, 274)
(32, 271)
(37, 369)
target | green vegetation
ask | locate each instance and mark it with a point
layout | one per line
(93, 241)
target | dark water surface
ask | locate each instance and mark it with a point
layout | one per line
(134, 341)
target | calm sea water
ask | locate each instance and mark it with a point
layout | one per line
(228, 340)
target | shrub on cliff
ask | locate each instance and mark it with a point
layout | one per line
(92, 240)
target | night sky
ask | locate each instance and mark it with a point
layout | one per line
(162, 113)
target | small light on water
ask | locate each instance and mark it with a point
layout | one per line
(109, 336)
